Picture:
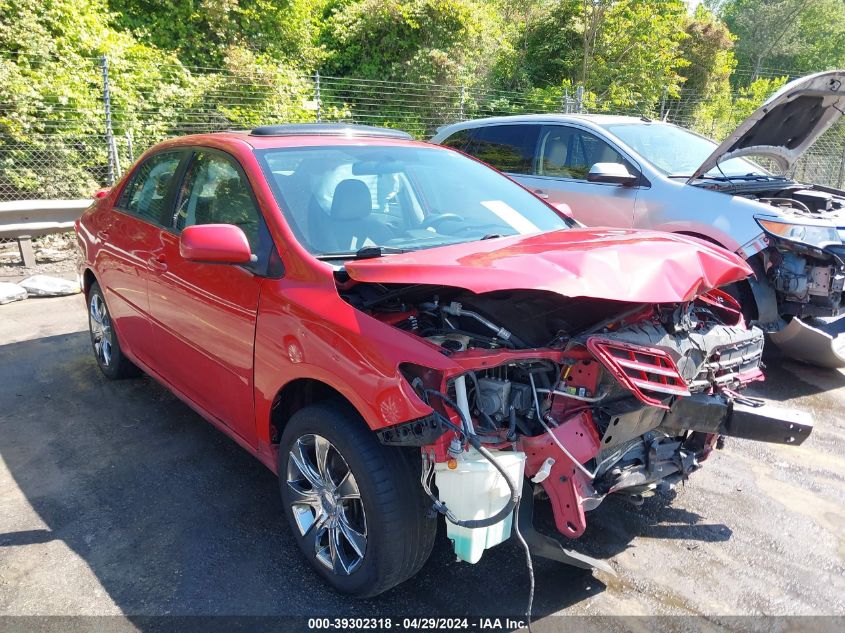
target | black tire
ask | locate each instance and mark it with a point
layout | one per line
(741, 291)
(104, 342)
(399, 533)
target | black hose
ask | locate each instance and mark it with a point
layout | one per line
(513, 502)
(528, 563)
(476, 444)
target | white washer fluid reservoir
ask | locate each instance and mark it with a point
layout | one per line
(474, 489)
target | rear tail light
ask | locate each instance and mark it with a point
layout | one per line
(649, 373)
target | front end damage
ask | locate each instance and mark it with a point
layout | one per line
(805, 265)
(801, 268)
(592, 397)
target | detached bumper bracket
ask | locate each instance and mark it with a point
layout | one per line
(715, 414)
(768, 424)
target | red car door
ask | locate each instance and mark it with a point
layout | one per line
(127, 234)
(203, 315)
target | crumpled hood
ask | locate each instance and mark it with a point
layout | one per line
(787, 124)
(633, 266)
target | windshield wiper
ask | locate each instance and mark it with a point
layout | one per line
(368, 252)
(751, 176)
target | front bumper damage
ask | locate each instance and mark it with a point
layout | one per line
(747, 419)
(822, 344)
(808, 283)
(680, 438)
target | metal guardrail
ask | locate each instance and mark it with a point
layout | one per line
(39, 217)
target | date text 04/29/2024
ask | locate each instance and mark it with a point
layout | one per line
(415, 624)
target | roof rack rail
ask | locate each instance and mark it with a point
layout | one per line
(328, 129)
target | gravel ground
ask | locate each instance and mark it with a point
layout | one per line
(119, 500)
(54, 255)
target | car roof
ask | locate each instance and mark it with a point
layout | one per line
(551, 117)
(299, 135)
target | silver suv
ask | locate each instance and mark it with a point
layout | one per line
(635, 172)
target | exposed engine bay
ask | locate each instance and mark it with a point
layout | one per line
(805, 265)
(595, 397)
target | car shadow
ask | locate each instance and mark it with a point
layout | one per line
(174, 518)
(787, 378)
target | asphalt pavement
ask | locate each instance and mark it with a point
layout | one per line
(116, 499)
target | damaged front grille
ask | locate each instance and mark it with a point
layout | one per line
(649, 373)
(737, 361)
(711, 356)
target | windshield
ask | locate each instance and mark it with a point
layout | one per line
(678, 152)
(341, 199)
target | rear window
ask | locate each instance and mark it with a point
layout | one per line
(459, 140)
(508, 148)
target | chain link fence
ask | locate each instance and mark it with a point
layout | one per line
(69, 149)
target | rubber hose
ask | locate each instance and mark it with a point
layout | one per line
(476, 444)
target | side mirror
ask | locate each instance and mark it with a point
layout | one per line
(612, 173)
(215, 244)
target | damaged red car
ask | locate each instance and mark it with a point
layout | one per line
(399, 331)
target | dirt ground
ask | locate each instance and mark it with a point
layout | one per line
(118, 500)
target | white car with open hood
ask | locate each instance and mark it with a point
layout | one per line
(634, 172)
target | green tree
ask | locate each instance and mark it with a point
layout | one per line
(635, 52)
(626, 53)
(547, 48)
(720, 115)
(200, 32)
(443, 41)
(708, 49)
(798, 36)
(50, 92)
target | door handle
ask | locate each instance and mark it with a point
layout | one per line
(159, 263)
(102, 235)
(541, 194)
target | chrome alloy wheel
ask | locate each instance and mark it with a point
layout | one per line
(327, 504)
(101, 330)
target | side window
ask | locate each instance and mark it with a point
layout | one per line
(215, 192)
(146, 193)
(568, 152)
(458, 140)
(508, 148)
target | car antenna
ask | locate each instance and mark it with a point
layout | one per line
(645, 118)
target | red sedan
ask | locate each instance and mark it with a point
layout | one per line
(394, 327)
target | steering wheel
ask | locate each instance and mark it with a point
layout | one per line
(433, 220)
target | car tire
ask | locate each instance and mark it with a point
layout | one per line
(104, 341)
(741, 291)
(390, 511)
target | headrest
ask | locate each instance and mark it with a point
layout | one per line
(351, 200)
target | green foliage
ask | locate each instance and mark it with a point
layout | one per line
(799, 35)
(548, 49)
(440, 41)
(200, 32)
(179, 66)
(637, 53)
(50, 90)
(626, 53)
(708, 49)
(718, 116)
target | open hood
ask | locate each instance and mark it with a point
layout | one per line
(787, 124)
(632, 266)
